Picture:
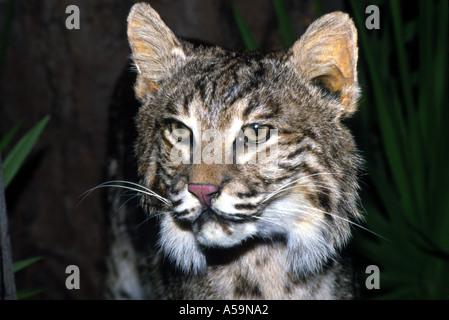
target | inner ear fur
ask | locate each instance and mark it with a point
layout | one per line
(327, 54)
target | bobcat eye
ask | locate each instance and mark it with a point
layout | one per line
(255, 133)
(179, 131)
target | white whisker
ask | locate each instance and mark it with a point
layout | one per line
(308, 210)
(347, 220)
(151, 216)
(271, 220)
(273, 194)
(281, 188)
(114, 184)
(294, 212)
(131, 198)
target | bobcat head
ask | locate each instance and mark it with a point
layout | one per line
(242, 145)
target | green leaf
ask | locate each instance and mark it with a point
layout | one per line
(23, 294)
(402, 55)
(287, 32)
(22, 264)
(4, 142)
(19, 153)
(245, 32)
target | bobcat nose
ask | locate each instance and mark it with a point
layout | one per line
(203, 192)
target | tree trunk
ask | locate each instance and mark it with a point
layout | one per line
(7, 282)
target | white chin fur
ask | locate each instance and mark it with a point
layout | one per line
(181, 247)
(213, 234)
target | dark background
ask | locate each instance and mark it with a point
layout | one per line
(71, 75)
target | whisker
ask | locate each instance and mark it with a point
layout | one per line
(347, 220)
(293, 213)
(297, 180)
(279, 190)
(270, 220)
(114, 184)
(131, 198)
(305, 209)
(301, 178)
(129, 182)
(151, 216)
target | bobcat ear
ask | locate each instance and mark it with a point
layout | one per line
(327, 54)
(155, 49)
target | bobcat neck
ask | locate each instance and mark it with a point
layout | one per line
(260, 271)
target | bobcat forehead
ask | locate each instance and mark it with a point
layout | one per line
(258, 172)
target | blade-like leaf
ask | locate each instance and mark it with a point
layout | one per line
(22, 264)
(18, 154)
(287, 32)
(23, 294)
(247, 36)
(6, 139)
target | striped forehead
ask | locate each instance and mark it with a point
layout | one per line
(217, 91)
(201, 117)
(199, 114)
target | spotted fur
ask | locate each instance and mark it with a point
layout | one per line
(276, 226)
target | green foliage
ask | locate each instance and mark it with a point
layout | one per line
(8, 137)
(287, 34)
(405, 135)
(245, 32)
(11, 165)
(22, 264)
(15, 158)
(28, 293)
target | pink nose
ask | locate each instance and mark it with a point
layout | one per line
(203, 192)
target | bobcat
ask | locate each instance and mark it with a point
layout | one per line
(226, 220)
